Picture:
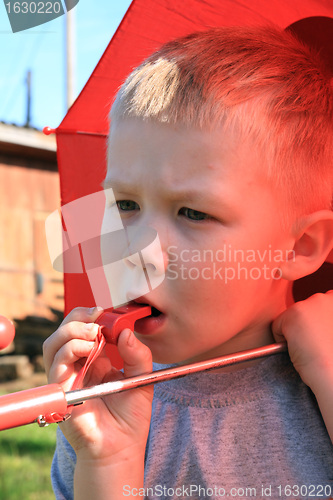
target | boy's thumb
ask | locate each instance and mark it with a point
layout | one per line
(136, 356)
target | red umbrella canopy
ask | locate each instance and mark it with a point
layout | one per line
(81, 137)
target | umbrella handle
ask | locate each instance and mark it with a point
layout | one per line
(42, 404)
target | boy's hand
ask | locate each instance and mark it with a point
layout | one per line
(307, 326)
(114, 428)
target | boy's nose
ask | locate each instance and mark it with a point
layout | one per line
(145, 252)
(152, 259)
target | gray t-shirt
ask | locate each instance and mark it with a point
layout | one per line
(256, 432)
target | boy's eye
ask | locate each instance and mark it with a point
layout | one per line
(127, 205)
(193, 214)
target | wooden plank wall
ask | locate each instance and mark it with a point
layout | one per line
(28, 283)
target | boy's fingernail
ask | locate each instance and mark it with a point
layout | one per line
(90, 326)
(130, 338)
(91, 310)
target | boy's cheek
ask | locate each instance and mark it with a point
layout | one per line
(224, 273)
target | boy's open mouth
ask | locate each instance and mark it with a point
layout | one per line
(151, 323)
(154, 312)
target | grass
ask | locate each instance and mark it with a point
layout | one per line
(25, 461)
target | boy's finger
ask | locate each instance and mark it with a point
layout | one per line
(71, 327)
(64, 334)
(277, 328)
(62, 368)
(136, 356)
(83, 314)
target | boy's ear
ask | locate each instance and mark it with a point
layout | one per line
(313, 241)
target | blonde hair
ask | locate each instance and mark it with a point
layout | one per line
(259, 80)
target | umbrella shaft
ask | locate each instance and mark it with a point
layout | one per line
(97, 391)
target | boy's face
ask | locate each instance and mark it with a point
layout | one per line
(219, 225)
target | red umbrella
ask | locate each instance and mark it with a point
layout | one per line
(81, 137)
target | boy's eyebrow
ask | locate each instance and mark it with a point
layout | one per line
(187, 194)
(110, 182)
(123, 186)
(118, 185)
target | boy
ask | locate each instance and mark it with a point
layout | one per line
(222, 142)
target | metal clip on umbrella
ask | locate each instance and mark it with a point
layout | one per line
(50, 404)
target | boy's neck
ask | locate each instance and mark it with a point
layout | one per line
(256, 336)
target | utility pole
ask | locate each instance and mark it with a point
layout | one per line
(28, 83)
(70, 57)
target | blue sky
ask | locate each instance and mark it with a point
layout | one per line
(41, 49)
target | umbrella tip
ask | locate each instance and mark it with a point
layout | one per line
(48, 130)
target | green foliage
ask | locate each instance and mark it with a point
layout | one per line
(25, 462)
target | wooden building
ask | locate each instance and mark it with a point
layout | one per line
(29, 192)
